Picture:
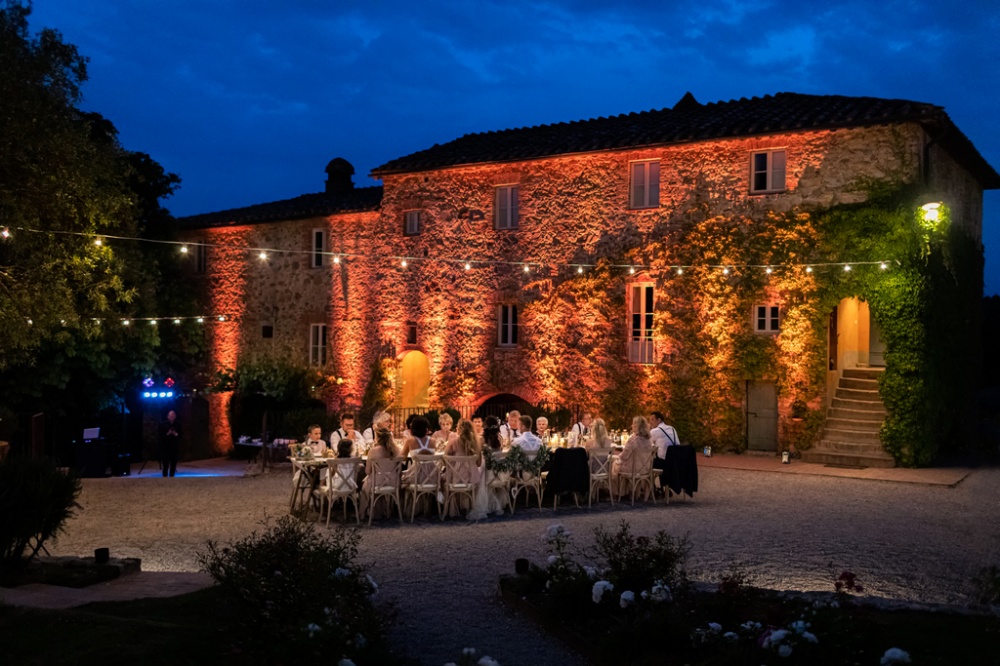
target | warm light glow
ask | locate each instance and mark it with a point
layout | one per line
(98, 242)
(847, 267)
(30, 322)
(768, 270)
(579, 269)
(680, 271)
(631, 270)
(527, 269)
(809, 269)
(125, 322)
(263, 256)
(468, 266)
(222, 318)
(200, 320)
(152, 322)
(931, 211)
(403, 263)
(336, 259)
(725, 271)
(177, 321)
(883, 266)
(184, 249)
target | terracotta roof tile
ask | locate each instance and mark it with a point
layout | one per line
(319, 204)
(690, 121)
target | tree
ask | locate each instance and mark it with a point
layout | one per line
(66, 185)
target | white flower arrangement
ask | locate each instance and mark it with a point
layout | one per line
(553, 559)
(660, 593)
(591, 572)
(600, 587)
(784, 650)
(714, 627)
(345, 662)
(341, 572)
(313, 628)
(731, 636)
(554, 531)
(895, 656)
(487, 661)
(373, 584)
(627, 599)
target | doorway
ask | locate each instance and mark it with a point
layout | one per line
(415, 375)
(762, 416)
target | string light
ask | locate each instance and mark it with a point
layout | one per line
(809, 269)
(631, 270)
(184, 249)
(263, 256)
(125, 322)
(5, 232)
(468, 266)
(768, 270)
(527, 269)
(177, 321)
(200, 320)
(403, 263)
(98, 242)
(152, 322)
(336, 259)
(222, 318)
(725, 271)
(847, 267)
(883, 266)
(579, 269)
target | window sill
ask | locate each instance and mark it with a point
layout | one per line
(757, 193)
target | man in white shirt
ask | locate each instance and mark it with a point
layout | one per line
(661, 434)
(528, 441)
(345, 431)
(511, 430)
(581, 428)
(381, 420)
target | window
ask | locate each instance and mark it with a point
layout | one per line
(318, 248)
(411, 333)
(267, 331)
(644, 185)
(767, 171)
(411, 223)
(200, 257)
(507, 326)
(640, 339)
(317, 344)
(765, 318)
(505, 207)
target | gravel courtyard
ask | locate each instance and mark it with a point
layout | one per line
(904, 541)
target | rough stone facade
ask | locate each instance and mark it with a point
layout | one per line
(573, 209)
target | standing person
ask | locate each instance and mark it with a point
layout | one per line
(581, 429)
(170, 444)
(511, 430)
(345, 431)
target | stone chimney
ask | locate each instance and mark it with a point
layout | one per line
(339, 176)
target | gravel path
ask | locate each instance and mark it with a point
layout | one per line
(903, 540)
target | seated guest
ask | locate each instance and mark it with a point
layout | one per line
(511, 430)
(637, 448)
(601, 440)
(409, 421)
(380, 420)
(419, 441)
(477, 426)
(465, 442)
(345, 481)
(661, 434)
(345, 431)
(384, 447)
(528, 441)
(444, 436)
(542, 428)
(580, 429)
(491, 433)
(314, 440)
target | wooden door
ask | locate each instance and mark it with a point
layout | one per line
(762, 416)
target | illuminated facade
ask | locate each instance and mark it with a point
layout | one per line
(489, 226)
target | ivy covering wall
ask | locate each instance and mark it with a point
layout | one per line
(925, 303)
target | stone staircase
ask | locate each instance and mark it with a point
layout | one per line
(850, 436)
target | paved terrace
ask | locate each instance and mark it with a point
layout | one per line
(910, 534)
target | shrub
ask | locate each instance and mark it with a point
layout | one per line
(639, 563)
(36, 500)
(296, 591)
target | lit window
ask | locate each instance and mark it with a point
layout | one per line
(766, 318)
(200, 257)
(640, 345)
(411, 223)
(644, 185)
(318, 248)
(317, 344)
(411, 333)
(505, 207)
(767, 171)
(507, 326)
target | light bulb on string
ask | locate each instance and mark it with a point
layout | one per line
(631, 270)
(222, 318)
(809, 269)
(527, 268)
(30, 322)
(768, 270)
(125, 322)
(200, 320)
(579, 269)
(152, 322)
(336, 259)
(847, 268)
(403, 263)
(725, 270)
(98, 242)
(468, 266)
(262, 256)
(680, 271)
(177, 321)
(883, 266)
(184, 249)
(5, 233)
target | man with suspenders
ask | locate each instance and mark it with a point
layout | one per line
(662, 436)
(346, 431)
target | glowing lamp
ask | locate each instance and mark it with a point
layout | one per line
(883, 266)
(152, 322)
(527, 268)
(631, 270)
(847, 268)
(98, 242)
(403, 263)
(809, 269)
(177, 321)
(468, 266)
(680, 271)
(931, 211)
(579, 269)
(30, 322)
(148, 382)
(725, 271)
(222, 318)
(200, 320)
(336, 259)
(262, 256)
(184, 249)
(125, 322)
(5, 233)
(768, 270)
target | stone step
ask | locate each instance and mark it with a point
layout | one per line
(827, 457)
(851, 424)
(843, 435)
(858, 394)
(857, 414)
(859, 405)
(860, 448)
(864, 384)
(862, 373)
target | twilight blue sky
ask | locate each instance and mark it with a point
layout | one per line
(247, 100)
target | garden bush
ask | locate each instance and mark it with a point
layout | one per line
(298, 592)
(36, 500)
